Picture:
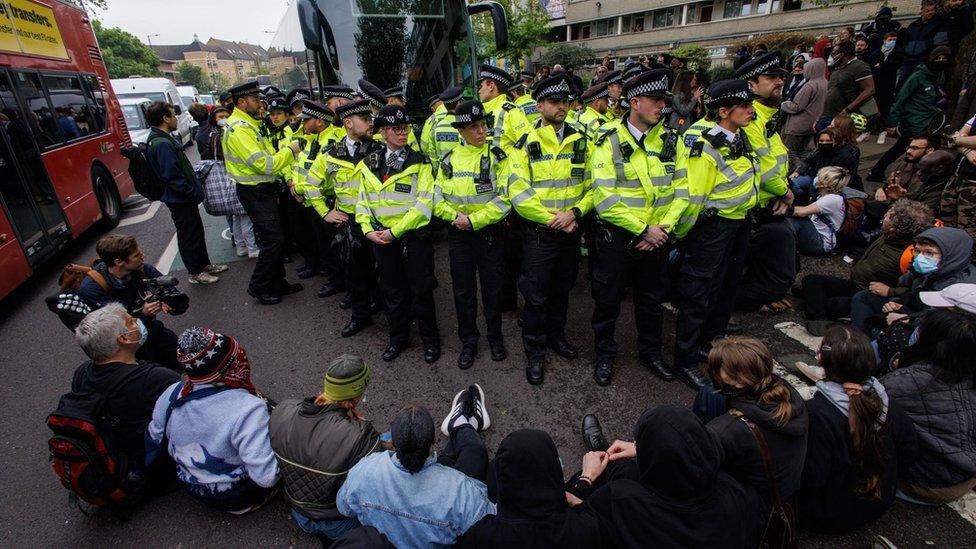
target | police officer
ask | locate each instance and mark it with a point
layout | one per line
(317, 235)
(470, 194)
(394, 96)
(337, 173)
(295, 98)
(437, 110)
(509, 121)
(634, 190)
(723, 177)
(615, 86)
(522, 99)
(596, 98)
(377, 100)
(276, 128)
(446, 136)
(551, 193)
(395, 206)
(255, 169)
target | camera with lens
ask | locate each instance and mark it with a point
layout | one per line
(163, 288)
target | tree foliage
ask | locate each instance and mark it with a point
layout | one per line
(191, 75)
(696, 57)
(124, 54)
(528, 24)
(566, 54)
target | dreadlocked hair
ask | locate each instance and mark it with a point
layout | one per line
(748, 361)
(847, 358)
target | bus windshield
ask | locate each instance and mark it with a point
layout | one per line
(422, 45)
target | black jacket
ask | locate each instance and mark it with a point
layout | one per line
(787, 444)
(129, 291)
(532, 510)
(171, 165)
(847, 156)
(683, 499)
(826, 500)
(131, 404)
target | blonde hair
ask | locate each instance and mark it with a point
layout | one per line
(832, 179)
(748, 361)
(349, 404)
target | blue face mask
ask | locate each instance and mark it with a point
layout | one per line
(923, 264)
(143, 332)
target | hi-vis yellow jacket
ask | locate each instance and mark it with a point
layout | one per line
(550, 176)
(336, 173)
(529, 109)
(248, 155)
(590, 121)
(427, 143)
(315, 145)
(400, 202)
(509, 123)
(720, 182)
(768, 145)
(473, 181)
(633, 185)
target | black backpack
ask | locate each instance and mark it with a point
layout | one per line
(147, 183)
(83, 450)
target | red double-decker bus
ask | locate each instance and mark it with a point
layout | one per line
(61, 130)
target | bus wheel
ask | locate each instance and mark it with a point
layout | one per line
(108, 197)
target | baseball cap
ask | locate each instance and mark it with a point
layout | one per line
(960, 296)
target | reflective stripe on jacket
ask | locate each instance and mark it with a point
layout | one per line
(402, 203)
(248, 155)
(462, 186)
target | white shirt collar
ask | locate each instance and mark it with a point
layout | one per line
(716, 129)
(350, 146)
(638, 135)
(400, 152)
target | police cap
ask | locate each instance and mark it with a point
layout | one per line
(594, 92)
(395, 91)
(296, 95)
(468, 112)
(728, 93)
(372, 93)
(338, 90)
(452, 94)
(653, 83)
(554, 87)
(390, 115)
(500, 77)
(276, 101)
(767, 63)
(314, 109)
(612, 77)
(250, 87)
(359, 106)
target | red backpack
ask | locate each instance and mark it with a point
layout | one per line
(84, 455)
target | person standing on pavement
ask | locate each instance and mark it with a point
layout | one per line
(635, 199)
(805, 107)
(254, 167)
(723, 171)
(921, 36)
(395, 206)
(551, 193)
(337, 173)
(470, 193)
(182, 194)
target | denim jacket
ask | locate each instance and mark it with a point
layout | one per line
(430, 508)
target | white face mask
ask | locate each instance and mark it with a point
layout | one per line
(222, 122)
(830, 61)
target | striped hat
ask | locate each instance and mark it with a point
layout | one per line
(468, 112)
(276, 102)
(612, 77)
(390, 115)
(375, 95)
(314, 109)
(344, 92)
(433, 99)
(554, 87)
(452, 94)
(489, 72)
(594, 92)
(360, 106)
(653, 83)
(728, 93)
(346, 378)
(768, 63)
(296, 95)
(395, 91)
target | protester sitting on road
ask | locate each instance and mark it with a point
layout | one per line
(816, 225)
(935, 384)
(805, 106)
(745, 389)
(958, 205)
(859, 439)
(317, 440)
(932, 177)
(941, 258)
(182, 193)
(122, 264)
(679, 496)
(414, 498)
(215, 426)
(832, 150)
(827, 298)
(528, 479)
(110, 337)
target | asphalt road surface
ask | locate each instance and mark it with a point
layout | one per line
(289, 346)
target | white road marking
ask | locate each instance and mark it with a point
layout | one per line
(141, 217)
(225, 234)
(165, 262)
(799, 333)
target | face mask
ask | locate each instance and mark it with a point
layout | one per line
(728, 391)
(222, 122)
(923, 264)
(830, 61)
(143, 332)
(938, 66)
(826, 147)
(890, 43)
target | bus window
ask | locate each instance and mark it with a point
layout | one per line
(43, 121)
(96, 102)
(70, 110)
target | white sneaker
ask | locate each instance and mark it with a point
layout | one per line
(215, 269)
(203, 278)
(254, 254)
(813, 373)
(881, 138)
(456, 405)
(863, 137)
(241, 252)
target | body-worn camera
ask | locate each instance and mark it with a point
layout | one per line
(163, 289)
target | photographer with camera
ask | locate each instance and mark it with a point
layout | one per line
(142, 290)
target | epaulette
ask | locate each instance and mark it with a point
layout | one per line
(521, 141)
(717, 140)
(508, 106)
(602, 134)
(696, 148)
(499, 153)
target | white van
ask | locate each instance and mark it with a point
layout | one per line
(134, 111)
(189, 94)
(158, 89)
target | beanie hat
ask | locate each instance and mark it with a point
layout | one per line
(208, 357)
(940, 50)
(346, 378)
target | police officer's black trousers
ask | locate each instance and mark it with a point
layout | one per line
(477, 255)
(301, 219)
(406, 269)
(711, 269)
(615, 260)
(360, 267)
(289, 224)
(550, 261)
(261, 204)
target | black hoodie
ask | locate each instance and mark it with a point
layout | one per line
(787, 444)
(683, 498)
(532, 510)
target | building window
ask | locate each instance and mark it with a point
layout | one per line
(705, 13)
(691, 14)
(790, 5)
(762, 7)
(634, 23)
(733, 8)
(663, 18)
(605, 27)
(580, 31)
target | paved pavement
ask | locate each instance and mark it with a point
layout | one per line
(289, 346)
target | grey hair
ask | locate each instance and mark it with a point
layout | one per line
(98, 333)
